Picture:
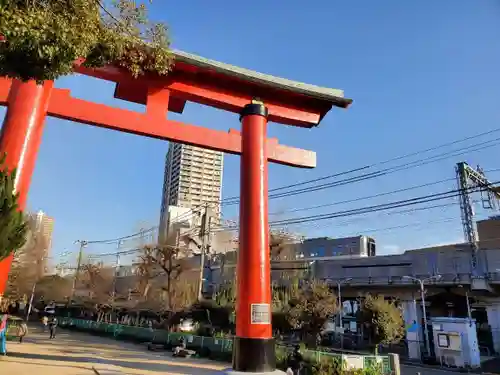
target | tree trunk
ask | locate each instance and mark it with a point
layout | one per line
(169, 292)
(146, 290)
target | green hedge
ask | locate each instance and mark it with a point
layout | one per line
(221, 348)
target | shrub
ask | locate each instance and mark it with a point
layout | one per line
(383, 318)
(13, 226)
(312, 308)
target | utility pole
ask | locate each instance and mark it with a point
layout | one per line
(83, 244)
(117, 270)
(421, 283)
(141, 238)
(30, 306)
(470, 180)
(33, 289)
(205, 241)
(339, 296)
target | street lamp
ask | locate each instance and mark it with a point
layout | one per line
(424, 313)
(341, 310)
(467, 300)
(82, 244)
(311, 269)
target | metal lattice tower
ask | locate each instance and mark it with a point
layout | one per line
(471, 180)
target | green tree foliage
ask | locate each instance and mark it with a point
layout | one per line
(226, 296)
(42, 39)
(312, 308)
(13, 226)
(383, 318)
(283, 296)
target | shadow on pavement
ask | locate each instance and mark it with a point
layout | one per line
(51, 365)
(183, 368)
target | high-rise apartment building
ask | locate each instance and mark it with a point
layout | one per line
(193, 177)
(44, 225)
(36, 251)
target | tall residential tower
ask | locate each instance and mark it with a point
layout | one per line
(193, 177)
(38, 246)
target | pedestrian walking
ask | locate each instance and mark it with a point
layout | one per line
(45, 322)
(52, 327)
(3, 334)
(295, 361)
(22, 331)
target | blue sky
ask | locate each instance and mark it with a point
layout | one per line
(421, 73)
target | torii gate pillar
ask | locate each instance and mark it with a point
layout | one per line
(20, 140)
(254, 347)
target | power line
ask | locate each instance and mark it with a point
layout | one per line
(383, 172)
(318, 179)
(138, 250)
(372, 196)
(191, 212)
(363, 210)
(367, 176)
(375, 208)
(366, 231)
(114, 240)
(397, 158)
(365, 197)
(360, 211)
(366, 210)
(410, 211)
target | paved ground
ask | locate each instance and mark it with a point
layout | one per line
(412, 370)
(76, 353)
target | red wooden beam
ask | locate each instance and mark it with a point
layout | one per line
(4, 90)
(63, 106)
(212, 91)
(226, 87)
(227, 100)
(151, 124)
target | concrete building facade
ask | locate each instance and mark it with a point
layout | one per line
(193, 177)
(326, 247)
(489, 233)
(44, 224)
(42, 227)
(192, 183)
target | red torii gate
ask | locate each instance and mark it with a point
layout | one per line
(256, 97)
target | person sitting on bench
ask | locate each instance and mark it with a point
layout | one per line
(181, 350)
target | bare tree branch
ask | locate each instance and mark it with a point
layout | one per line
(161, 266)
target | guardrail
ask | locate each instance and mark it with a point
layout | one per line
(213, 344)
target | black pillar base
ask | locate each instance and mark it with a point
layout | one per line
(254, 355)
